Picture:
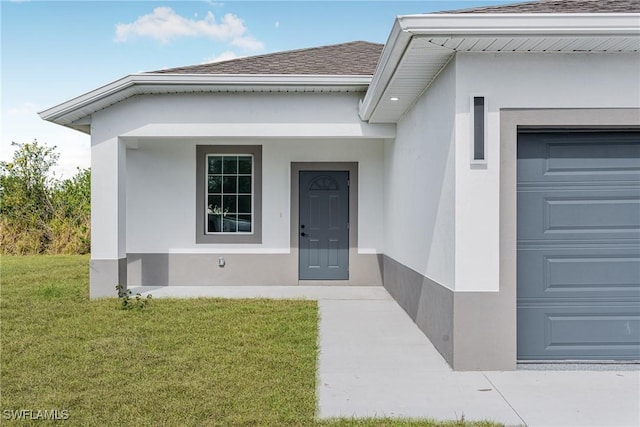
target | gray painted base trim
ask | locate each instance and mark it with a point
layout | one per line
(239, 270)
(471, 330)
(484, 335)
(428, 303)
(104, 275)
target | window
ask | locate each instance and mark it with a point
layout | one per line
(229, 193)
(229, 187)
(479, 113)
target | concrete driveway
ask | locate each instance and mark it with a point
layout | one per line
(375, 362)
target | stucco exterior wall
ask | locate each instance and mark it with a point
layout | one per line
(420, 184)
(161, 193)
(443, 260)
(507, 80)
(154, 138)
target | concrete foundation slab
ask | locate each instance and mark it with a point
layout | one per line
(275, 292)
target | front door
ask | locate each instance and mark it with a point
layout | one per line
(323, 227)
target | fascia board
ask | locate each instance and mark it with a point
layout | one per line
(525, 24)
(128, 84)
(53, 113)
(391, 55)
(487, 25)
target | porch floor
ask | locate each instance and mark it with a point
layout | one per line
(374, 362)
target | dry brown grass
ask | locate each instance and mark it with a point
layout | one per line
(58, 237)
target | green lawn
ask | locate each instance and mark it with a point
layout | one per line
(177, 362)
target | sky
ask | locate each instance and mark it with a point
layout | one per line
(52, 51)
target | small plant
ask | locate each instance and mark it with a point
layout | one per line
(126, 302)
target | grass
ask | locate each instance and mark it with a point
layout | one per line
(177, 362)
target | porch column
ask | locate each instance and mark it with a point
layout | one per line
(108, 216)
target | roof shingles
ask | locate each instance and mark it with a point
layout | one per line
(559, 6)
(355, 58)
(361, 58)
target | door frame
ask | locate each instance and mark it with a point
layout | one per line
(352, 168)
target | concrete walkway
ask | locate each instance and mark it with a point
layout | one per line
(375, 362)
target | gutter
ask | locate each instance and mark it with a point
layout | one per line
(523, 24)
(488, 25)
(57, 113)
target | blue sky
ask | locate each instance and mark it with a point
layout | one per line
(55, 50)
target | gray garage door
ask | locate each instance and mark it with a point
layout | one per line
(578, 291)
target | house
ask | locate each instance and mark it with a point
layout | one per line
(483, 165)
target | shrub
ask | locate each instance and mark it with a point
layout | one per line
(128, 303)
(39, 214)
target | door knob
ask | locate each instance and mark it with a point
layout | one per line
(303, 234)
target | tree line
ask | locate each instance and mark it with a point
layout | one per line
(40, 214)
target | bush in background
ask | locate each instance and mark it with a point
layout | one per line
(39, 214)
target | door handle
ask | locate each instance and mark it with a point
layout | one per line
(303, 234)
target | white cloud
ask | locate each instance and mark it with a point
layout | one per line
(24, 109)
(224, 56)
(164, 25)
(277, 25)
(248, 43)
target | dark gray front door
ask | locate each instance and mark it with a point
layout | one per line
(324, 225)
(578, 289)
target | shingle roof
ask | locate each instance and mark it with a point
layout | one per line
(361, 58)
(354, 58)
(559, 6)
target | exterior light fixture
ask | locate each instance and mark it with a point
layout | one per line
(394, 98)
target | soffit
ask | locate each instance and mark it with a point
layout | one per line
(420, 46)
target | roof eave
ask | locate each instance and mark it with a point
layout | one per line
(389, 58)
(62, 114)
(529, 24)
(488, 25)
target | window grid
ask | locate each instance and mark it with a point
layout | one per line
(229, 194)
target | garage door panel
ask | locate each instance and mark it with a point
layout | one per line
(583, 214)
(578, 157)
(579, 332)
(579, 273)
(578, 254)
